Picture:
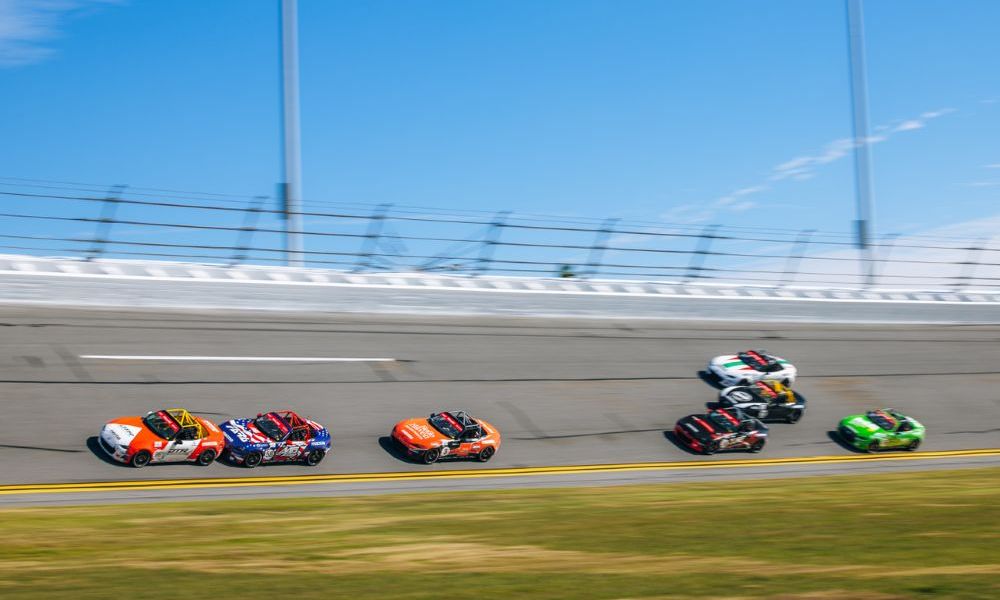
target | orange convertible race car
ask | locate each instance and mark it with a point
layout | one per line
(169, 435)
(447, 435)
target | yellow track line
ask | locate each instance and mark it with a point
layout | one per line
(176, 484)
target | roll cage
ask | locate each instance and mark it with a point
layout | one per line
(299, 430)
(190, 427)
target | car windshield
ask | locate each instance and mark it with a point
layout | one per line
(272, 426)
(446, 424)
(162, 424)
(760, 362)
(882, 419)
(722, 421)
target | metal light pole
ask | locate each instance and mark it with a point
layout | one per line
(864, 224)
(291, 186)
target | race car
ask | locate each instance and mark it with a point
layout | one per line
(722, 429)
(750, 366)
(446, 435)
(769, 400)
(881, 429)
(277, 436)
(168, 435)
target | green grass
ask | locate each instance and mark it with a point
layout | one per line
(880, 536)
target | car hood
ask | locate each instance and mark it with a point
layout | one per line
(860, 425)
(419, 433)
(695, 426)
(242, 433)
(121, 432)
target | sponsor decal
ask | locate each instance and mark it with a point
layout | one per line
(423, 431)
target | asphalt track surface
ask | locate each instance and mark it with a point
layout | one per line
(562, 391)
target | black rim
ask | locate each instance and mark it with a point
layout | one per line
(314, 457)
(141, 459)
(873, 447)
(430, 456)
(252, 460)
(206, 457)
(795, 416)
(486, 454)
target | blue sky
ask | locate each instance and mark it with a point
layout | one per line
(715, 111)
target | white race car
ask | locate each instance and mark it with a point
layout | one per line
(750, 366)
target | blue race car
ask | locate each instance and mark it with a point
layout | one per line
(275, 437)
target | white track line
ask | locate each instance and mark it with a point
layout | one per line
(236, 358)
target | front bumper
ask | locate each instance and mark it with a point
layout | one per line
(720, 375)
(112, 451)
(687, 439)
(406, 449)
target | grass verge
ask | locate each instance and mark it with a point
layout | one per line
(874, 536)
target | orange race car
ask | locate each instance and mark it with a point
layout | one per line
(169, 435)
(447, 435)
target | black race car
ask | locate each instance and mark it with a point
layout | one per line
(722, 429)
(770, 400)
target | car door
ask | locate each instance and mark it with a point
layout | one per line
(291, 450)
(177, 450)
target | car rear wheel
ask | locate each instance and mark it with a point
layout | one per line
(486, 453)
(431, 456)
(314, 457)
(206, 458)
(794, 416)
(140, 459)
(913, 445)
(757, 446)
(873, 446)
(252, 460)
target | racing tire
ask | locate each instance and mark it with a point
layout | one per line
(206, 458)
(785, 382)
(711, 448)
(140, 459)
(253, 459)
(913, 445)
(873, 447)
(431, 456)
(314, 458)
(757, 446)
(794, 416)
(485, 454)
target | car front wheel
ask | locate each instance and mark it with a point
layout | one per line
(140, 459)
(252, 460)
(757, 446)
(486, 453)
(711, 447)
(431, 456)
(794, 416)
(913, 445)
(873, 446)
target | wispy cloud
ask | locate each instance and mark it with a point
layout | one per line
(981, 184)
(799, 168)
(28, 26)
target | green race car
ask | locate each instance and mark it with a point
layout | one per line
(881, 429)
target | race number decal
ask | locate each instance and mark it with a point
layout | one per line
(445, 450)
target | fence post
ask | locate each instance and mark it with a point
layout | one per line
(245, 236)
(700, 251)
(598, 247)
(971, 262)
(490, 242)
(795, 256)
(372, 236)
(108, 209)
